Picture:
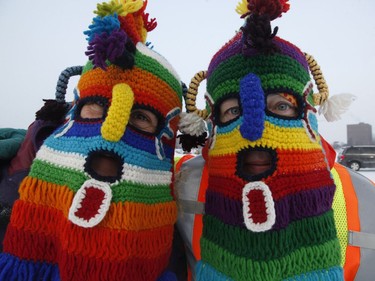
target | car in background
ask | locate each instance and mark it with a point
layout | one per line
(357, 157)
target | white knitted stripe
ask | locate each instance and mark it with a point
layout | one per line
(131, 173)
(151, 53)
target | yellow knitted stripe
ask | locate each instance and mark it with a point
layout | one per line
(118, 114)
(339, 208)
(273, 137)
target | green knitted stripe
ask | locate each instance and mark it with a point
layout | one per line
(153, 66)
(266, 67)
(271, 244)
(88, 66)
(301, 261)
(124, 191)
(150, 65)
(57, 175)
(141, 193)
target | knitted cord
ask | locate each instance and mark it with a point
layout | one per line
(192, 93)
(62, 83)
(322, 96)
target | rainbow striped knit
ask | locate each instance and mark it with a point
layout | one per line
(70, 224)
(277, 225)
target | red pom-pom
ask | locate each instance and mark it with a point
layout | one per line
(272, 8)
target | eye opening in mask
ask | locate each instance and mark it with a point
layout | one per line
(227, 109)
(283, 105)
(146, 120)
(92, 109)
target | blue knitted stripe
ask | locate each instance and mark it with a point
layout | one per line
(332, 274)
(131, 155)
(205, 272)
(137, 140)
(12, 268)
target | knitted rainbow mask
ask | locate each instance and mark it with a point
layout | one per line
(74, 223)
(268, 212)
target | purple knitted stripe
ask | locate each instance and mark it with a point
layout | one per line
(291, 208)
(223, 54)
(235, 47)
(292, 51)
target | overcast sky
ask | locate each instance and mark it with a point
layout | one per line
(39, 39)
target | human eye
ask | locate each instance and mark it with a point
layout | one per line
(229, 110)
(144, 120)
(94, 109)
(284, 105)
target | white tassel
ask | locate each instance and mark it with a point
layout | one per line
(191, 124)
(335, 106)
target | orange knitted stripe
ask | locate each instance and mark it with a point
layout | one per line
(41, 224)
(223, 166)
(121, 215)
(353, 254)
(300, 161)
(148, 88)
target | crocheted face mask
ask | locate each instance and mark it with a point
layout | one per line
(268, 201)
(100, 186)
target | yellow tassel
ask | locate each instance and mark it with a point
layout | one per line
(242, 7)
(129, 6)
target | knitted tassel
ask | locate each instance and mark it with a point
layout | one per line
(335, 106)
(192, 124)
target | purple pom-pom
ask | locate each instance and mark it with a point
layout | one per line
(106, 47)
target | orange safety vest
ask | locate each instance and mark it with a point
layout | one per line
(354, 208)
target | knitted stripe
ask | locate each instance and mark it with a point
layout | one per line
(232, 187)
(50, 235)
(326, 256)
(149, 64)
(235, 47)
(39, 270)
(127, 215)
(210, 274)
(231, 48)
(276, 72)
(133, 138)
(133, 173)
(272, 120)
(153, 63)
(288, 209)
(274, 137)
(272, 244)
(131, 154)
(288, 161)
(142, 83)
(78, 268)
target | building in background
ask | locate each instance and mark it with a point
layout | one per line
(359, 134)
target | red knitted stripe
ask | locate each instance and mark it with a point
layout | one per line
(40, 247)
(280, 185)
(77, 268)
(37, 232)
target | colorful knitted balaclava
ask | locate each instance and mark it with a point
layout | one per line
(275, 223)
(74, 223)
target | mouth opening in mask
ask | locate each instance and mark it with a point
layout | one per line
(104, 166)
(256, 163)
